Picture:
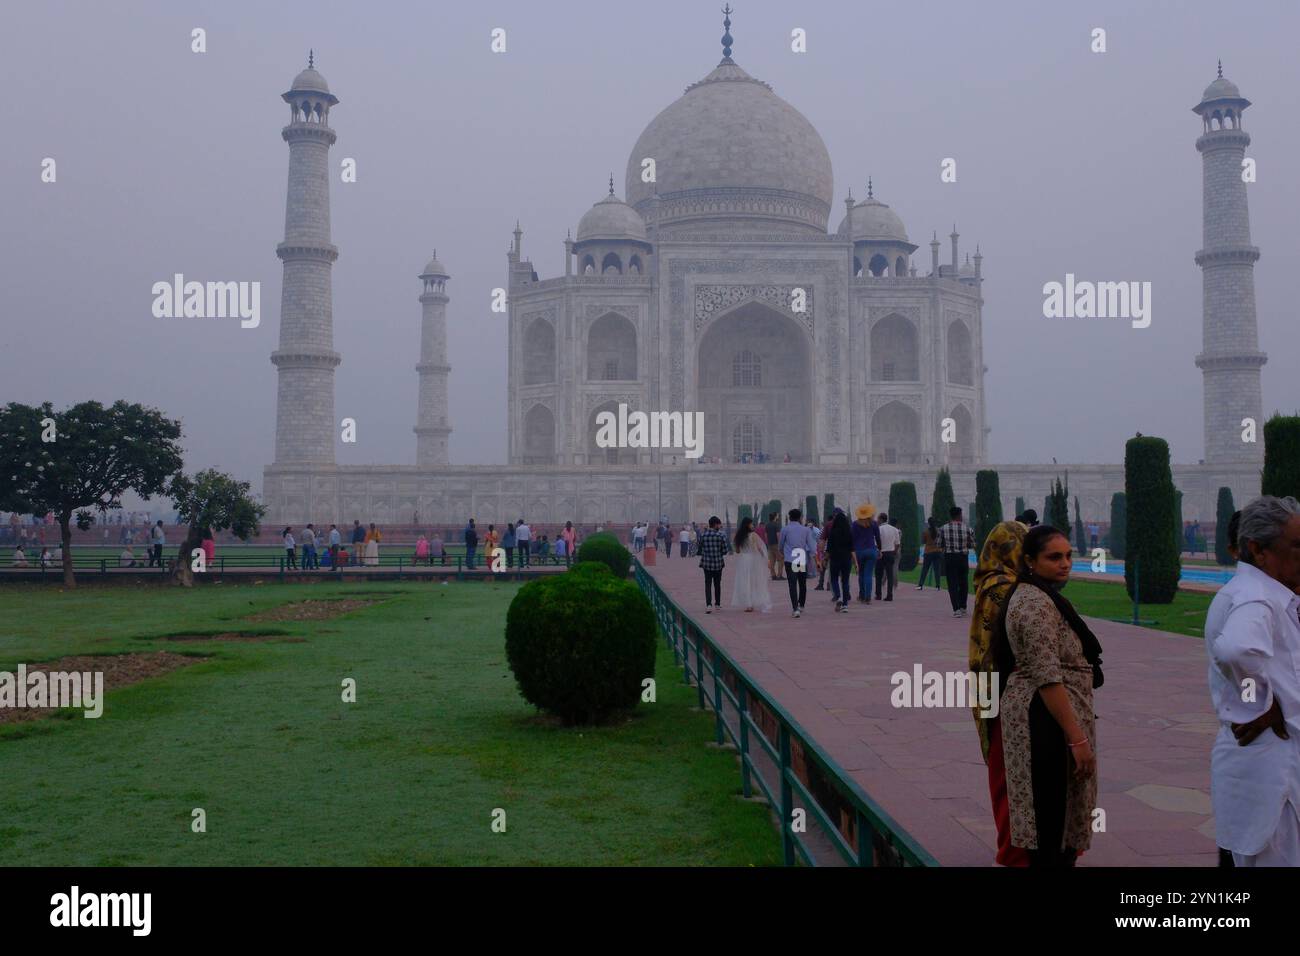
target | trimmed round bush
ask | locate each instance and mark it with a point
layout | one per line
(589, 567)
(608, 550)
(581, 644)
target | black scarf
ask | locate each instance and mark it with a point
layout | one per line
(1006, 660)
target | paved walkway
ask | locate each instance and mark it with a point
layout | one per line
(832, 674)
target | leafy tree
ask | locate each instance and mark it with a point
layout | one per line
(903, 510)
(85, 457)
(1223, 515)
(1281, 457)
(1150, 504)
(988, 505)
(210, 501)
(1118, 523)
(943, 499)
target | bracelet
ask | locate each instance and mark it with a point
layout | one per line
(1080, 743)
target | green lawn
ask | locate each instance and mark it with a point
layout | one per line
(1106, 599)
(287, 773)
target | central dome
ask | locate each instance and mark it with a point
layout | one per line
(731, 154)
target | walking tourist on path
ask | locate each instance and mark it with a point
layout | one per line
(932, 553)
(289, 548)
(823, 559)
(957, 539)
(866, 548)
(336, 540)
(524, 541)
(372, 546)
(839, 549)
(797, 548)
(995, 576)
(508, 542)
(471, 544)
(158, 539)
(684, 539)
(1046, 712)
(570, 537)
(713, 548)
(750, 589)
(772, 534)
(309, 561)
(1252, 636)
(889, 539)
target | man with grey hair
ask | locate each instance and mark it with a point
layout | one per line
(1252, 634)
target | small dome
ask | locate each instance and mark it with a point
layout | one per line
(611, 218)
(435, 268)
(872, 219)
(309, 81)
(1221, 88)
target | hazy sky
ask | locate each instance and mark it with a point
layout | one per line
(171, 161)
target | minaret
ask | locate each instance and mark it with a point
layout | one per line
(304, 417)
(431, 427)
(1230, 359)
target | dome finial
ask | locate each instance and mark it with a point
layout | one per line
(726, 31)
(869, 196)
(1220, 69)
(611, 184)
(311, 61)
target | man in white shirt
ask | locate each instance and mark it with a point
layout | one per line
(889, 536)
(524, 540)
(1252, 635)
(159, 539)
(684, 539)
(638, 537)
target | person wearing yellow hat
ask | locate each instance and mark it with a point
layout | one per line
(866, 548)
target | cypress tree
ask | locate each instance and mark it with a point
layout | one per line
(1118, 522)
(810, 509)
(943, 500)
(988, 505)
(1222, 515)
(1078, 530)
(1020, 506)
(742, 512)
(828, 507)
(1281, 457)
(1058, 507)
(775, 505)
(903, 509)
(1180, 539)
(1150, 508)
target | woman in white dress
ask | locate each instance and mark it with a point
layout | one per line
(750, 588)
(372, 546)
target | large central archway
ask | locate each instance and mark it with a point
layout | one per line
(754, 382)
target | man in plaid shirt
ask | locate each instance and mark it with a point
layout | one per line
(713, 545)
(956, 538)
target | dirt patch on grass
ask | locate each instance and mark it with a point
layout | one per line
(119, 670)
(311, 610)
(241, 636)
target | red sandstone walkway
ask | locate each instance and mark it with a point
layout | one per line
(832, 673)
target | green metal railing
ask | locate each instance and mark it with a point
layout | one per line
(878, 839)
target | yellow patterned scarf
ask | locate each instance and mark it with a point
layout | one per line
(994, 575)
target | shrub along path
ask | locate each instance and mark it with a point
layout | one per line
(832, 673)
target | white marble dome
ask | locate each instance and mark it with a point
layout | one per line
(309, 81)
(611, 219)
(872, 219)
(731, 149)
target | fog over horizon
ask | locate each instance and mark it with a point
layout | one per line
(168, 161)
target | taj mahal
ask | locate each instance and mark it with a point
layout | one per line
(823, 359)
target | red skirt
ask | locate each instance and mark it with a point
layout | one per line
(1008, 855)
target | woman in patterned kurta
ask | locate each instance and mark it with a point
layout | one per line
(1046, 713)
